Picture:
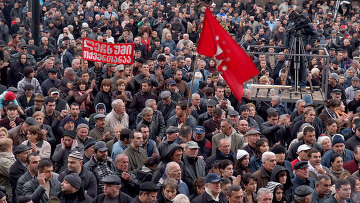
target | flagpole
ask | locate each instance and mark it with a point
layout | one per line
(191, 87)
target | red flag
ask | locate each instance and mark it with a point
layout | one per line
(234, 65)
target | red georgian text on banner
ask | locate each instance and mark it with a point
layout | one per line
(108, 53)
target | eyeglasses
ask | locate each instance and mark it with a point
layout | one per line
(23, 48)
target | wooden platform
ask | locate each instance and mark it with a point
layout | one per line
(265, 93)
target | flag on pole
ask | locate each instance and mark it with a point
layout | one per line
(234, 65)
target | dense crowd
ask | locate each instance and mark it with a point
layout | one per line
(73, 130)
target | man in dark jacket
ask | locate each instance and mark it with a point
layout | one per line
(32, 163)
(194, 166)
(275, 129)
(204, 144)
(35, 188)
(19, 167)
(88, 180)
(166, 105)
(210, 106)
(71, 190)
(212, 191)
(343, 192)
(212, 125)
(302, 175)
(100, 164)
(263, 175)
(129, 184)
(112, 185)
(223, 152)
(147, 194)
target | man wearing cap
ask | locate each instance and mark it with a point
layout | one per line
(100, 164)
(18, 168)
(204, 144)
(229, 133)
(101, 132)
(137, 155)
(22, 49)
(71, 190)
(303, 194)
(302, 152)
(212, 191)
(172, 88)
(88, 150)
(11, 120)
(10, 96)
(210, 106)
(338, 146)
(252, 136)
(38, 105)
(82, 132)
(166, 105)
(43, 72)
(19, 133)
(61, 104)
(194, 165)
(280, 153)
(336, 94)
(148, 193)
(212, 125)
(180, 118)
(62, 151)
(171, 136)
(343, 192)
(112, 193)
(334, 84)
(75, 165)
(302, 175)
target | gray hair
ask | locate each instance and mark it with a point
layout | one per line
(298, 102)
(149, 102)
(167, 168)
(277, 98)
(246, 92)
(75, 60)
(232, 188)
(263, 191)
(265, 156)
(194, 94)
(116, 103)
(181, 198)
(146, 110)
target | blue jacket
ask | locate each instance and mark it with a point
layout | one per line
(118, 148)
(255, 163)
(347, 156)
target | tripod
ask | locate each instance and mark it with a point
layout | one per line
(297, 47)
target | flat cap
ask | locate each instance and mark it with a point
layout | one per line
(82, 125)
(69, 133)
(212, 178)
(21, 148)
(253, 132)
(233, 113)
(172, 129)
(301, 164)
(171, 82)
(22, 44)
(211, 102)
(165, 94)
(13, 89)
(112, 179)
(149, 187)
(192, 145)
(336, 91)
(101, 146)
(11, 105)
(243, 108)
(54, 91)
(74, 179)
(303, 191)
(89, 143)
(97, 116)
(31, 121)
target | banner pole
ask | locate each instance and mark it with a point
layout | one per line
(191, 87)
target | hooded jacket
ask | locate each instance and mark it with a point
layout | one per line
(287, 186)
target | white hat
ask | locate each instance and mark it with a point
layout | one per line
(241, 153)
(303, 147)
(85, 25)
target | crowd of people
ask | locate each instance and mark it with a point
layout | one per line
(73, 130)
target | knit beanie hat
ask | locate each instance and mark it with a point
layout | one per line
(9, 96)
(74, 179)
(76, 155)
(278, 149)
(337, 139)
(241, 153)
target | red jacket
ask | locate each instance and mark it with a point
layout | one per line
(351, 166)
